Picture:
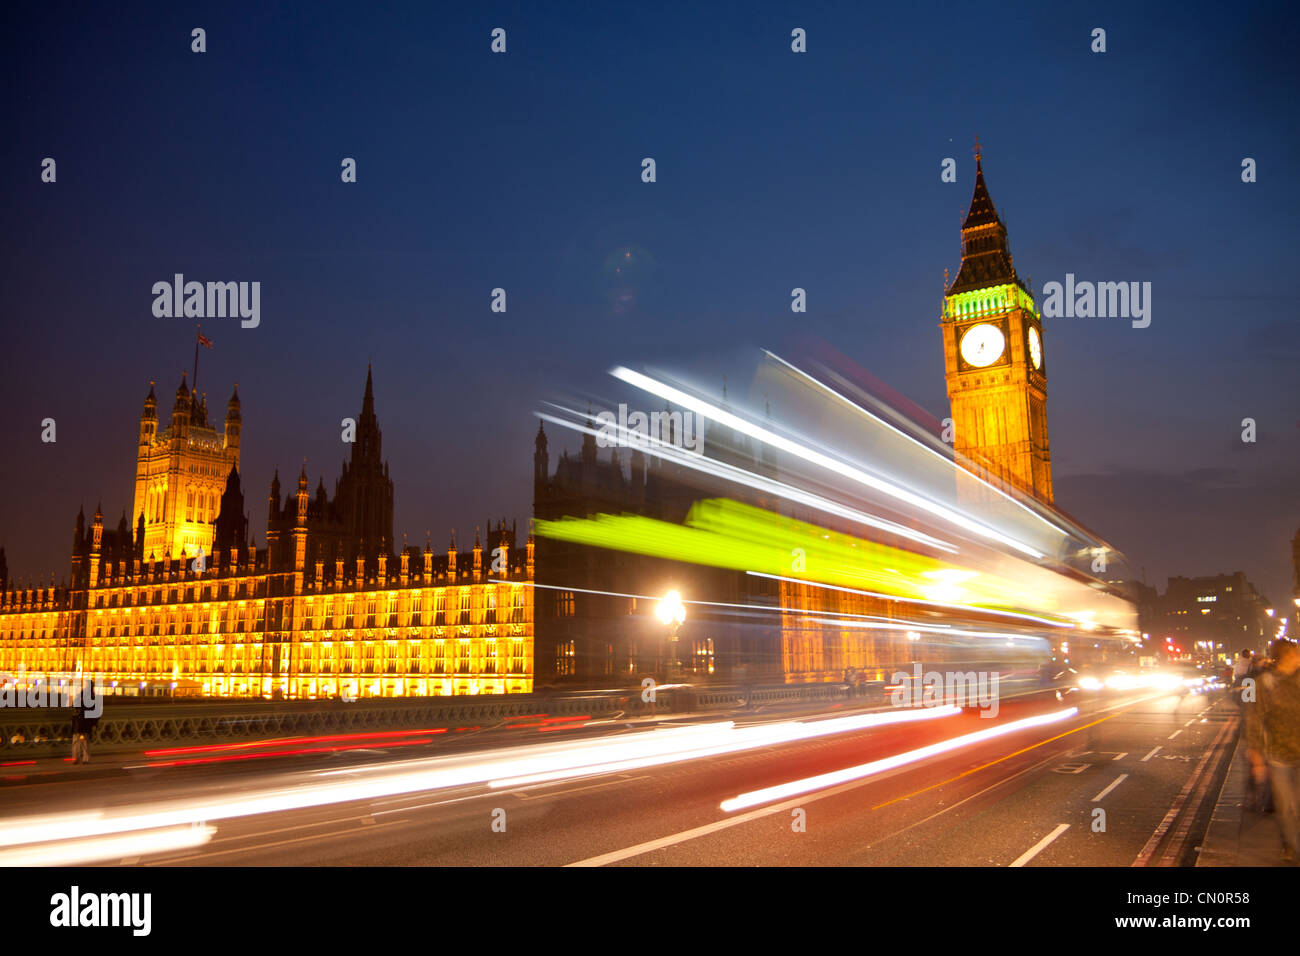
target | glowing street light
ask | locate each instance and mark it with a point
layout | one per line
(671, 609)
(672, 613)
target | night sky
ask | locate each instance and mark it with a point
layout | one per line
(522, 171)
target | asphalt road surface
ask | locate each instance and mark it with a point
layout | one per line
(1124, 780)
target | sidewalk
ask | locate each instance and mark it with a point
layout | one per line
(1237, 836)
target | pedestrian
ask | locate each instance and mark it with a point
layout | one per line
(1259, 797)
(1279, 711)
(80, 747)
(83, 728)
(1241, 666)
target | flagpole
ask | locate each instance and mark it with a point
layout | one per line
(198, 330)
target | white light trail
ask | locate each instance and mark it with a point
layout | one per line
(747, 738)
(902, 434)
(543, 761)
(728, 472)
(821, 781)
(94, 850)
(793, 448)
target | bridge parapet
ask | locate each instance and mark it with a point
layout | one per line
(128, 725)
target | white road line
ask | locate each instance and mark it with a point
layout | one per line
(400, 798)
(705, 830)
(1041, 845)
(1121, 756)
(1118, 780)
(696, 832)
(1190, 722)
(1151, 754)
(623, 778)
(257, 846)
(993, 786)
(439, 803)
(1175, 733)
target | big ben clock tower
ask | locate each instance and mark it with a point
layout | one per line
(994, 361)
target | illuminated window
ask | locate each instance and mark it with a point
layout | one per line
(566, 604)
(704, 656)
(565, 659)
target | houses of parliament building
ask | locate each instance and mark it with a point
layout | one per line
(185, 601)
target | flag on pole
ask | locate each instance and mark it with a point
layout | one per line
(205, 341)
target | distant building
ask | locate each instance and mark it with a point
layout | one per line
(596, 623)
(1295, 570)
(1212, 618)
(1147, 601)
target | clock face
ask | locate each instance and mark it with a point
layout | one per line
(982, 345)
(1035, 348)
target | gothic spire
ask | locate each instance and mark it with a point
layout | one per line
(981, 212)
(985, 255)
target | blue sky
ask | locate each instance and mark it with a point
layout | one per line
(522, 171)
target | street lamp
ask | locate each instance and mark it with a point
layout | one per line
(671, 612)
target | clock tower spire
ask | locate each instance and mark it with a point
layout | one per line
(993, 356)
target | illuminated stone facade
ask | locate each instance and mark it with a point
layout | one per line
(814, 650)
(994, 358)
(180, 472)
(304, 617)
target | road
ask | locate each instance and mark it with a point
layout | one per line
(1028, 797)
